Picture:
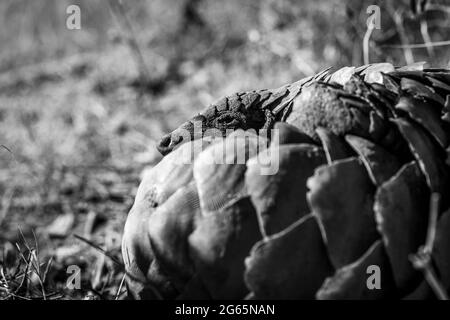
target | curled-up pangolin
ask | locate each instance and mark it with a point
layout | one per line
(341, 186)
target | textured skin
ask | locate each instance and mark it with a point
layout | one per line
(361, 150)
(245, 110)
(308, 104)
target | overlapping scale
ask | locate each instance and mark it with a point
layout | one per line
(352, 282)
(335, 146)
(425, 152)
(340, 196)
(421, 112)
(146, 278)
(280, 198)
(169, 228)
(227, 227)
(380, 164)
(401, 208)
(291, 264)
(441, 250)
(219, 245)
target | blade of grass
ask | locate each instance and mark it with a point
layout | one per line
(95, 246)
(25, 274)
(120, 287)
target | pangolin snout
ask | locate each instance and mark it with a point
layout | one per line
(182, 134)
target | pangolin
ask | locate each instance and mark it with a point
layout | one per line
(360, 151)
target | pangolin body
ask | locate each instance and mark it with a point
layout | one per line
(359, 152)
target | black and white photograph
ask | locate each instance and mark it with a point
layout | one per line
(216, 158)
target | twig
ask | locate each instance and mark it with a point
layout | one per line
(18, 296)
(398, 20)
(434, 212)
(437, 7)
(366, 40)
(422, 259)
(426, 36)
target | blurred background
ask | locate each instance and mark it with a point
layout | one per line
(80, 109)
